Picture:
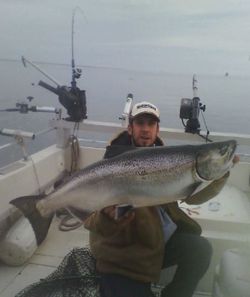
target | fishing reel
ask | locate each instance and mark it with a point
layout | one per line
(190, 111)
(77, 73)
(72, 98)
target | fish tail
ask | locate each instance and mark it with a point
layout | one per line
(40, 224)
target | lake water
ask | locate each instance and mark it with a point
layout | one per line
(226, 99)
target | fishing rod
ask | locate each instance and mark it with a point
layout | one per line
(76, 72)
(199, 107)
(72, 98)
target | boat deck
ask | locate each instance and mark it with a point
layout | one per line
(44, 261)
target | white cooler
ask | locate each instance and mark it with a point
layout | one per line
(232, 275)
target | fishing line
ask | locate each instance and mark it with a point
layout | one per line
(45, 131)
(75, 148)
(36, 175)
(205, 137)
(75, 153)
(33, 163)
(66, 223)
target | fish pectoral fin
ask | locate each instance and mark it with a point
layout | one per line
(40, 224)
(199, 187)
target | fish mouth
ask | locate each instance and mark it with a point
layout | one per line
(215, 159)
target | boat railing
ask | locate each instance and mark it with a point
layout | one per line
(169, 135)
(106, 130)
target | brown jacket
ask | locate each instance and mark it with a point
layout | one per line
(136, 250)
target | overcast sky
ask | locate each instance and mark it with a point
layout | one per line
(205, 36)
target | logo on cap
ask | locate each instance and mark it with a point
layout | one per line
(145, 107)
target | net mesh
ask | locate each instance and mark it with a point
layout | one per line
(75, 276)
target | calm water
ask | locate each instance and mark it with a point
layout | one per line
(226, 99)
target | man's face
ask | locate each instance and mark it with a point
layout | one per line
(144, 130)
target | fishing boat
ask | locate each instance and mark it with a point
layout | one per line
(225, 219)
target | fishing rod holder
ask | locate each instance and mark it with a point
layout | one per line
(17, 133)
(126, 111)
(19, 136)
(190, 110)
(25, 108)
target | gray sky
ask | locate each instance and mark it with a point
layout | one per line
(187, 36)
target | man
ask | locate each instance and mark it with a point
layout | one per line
(131, 251)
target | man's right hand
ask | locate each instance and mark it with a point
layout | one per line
(110, 212)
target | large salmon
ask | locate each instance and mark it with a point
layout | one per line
(140, 177)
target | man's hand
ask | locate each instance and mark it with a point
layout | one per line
(110, 212)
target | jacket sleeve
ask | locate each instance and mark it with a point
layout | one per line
(101, 224)
(209, 192)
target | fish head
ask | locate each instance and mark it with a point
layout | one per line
(214, 160)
